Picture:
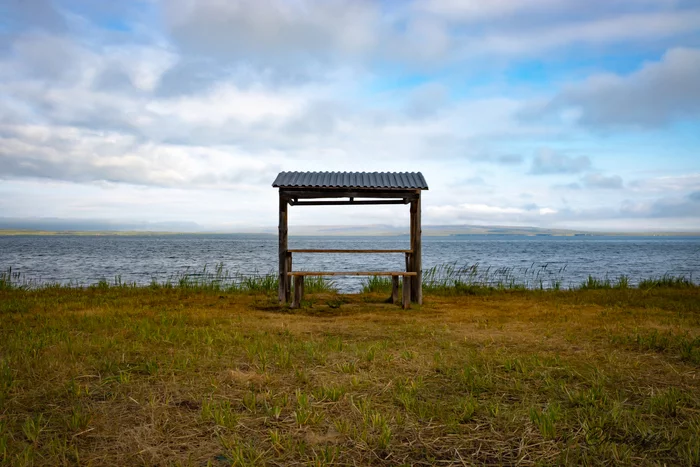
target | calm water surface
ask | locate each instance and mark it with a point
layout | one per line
(87, 259)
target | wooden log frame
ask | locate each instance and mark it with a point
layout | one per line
(294, 194)
(416, 247)
(349, 202)
(283, 268)
(412, 278)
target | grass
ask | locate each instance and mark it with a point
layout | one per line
(197, 374)
(377, 284)
(451, 279)
(217, 279)
(473, 278)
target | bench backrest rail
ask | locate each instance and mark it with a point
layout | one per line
(348, 251)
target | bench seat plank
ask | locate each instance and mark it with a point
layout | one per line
(351, 273)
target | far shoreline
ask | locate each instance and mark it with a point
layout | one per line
(503, 232)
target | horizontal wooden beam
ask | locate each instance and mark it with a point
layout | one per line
(347, 188)
(348, 251)
(347, 203)
(351, 273)
(306, 194)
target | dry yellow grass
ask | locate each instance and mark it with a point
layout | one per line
(124, 376)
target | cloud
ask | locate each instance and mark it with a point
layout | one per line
(476, 11)
(473, 181)
(426, 100)
(273, 32)
(646, 215)
(567, 186)
(484, 213)
(597, 31)
(226, 102)
(509, 159)
(665, 207)
(596, 180)
(653, 96)
(198, 96)
(84, 156)
(487, 157)
(548, 162)
(469, 182)
(47, 56)
(666, 184)
(33, 15)
(303, 38)
(534, 207)
(460, 10)
(526, 29)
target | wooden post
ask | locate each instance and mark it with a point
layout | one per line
(406, 299)
(283, 282)
(298, 291)
(416, 262)
(394, 289)
(288, 278)
(418, 255)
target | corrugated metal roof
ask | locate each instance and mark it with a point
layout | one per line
(371, 180)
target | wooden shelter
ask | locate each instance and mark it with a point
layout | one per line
(351, 188)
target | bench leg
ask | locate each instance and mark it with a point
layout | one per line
(394, 289)
(288, 278)
(406, 299)
(298, 291)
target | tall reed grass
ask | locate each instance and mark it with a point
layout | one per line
(218, 279)
(445, 278)
(451, 278)
(376, 284)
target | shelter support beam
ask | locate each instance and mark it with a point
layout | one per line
(283, 267)
(348, 203)
(354, 193)
(415, 264)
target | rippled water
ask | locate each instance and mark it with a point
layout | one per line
(87, 259)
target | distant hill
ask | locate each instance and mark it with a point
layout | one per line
(458, 230)
(56, 225)
(50, 226)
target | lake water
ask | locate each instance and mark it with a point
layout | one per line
(85, 260)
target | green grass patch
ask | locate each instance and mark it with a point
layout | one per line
(196, 375)
(375, 284)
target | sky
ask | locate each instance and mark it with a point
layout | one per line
(581, 114)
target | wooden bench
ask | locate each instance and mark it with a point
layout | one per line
(405, 298)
